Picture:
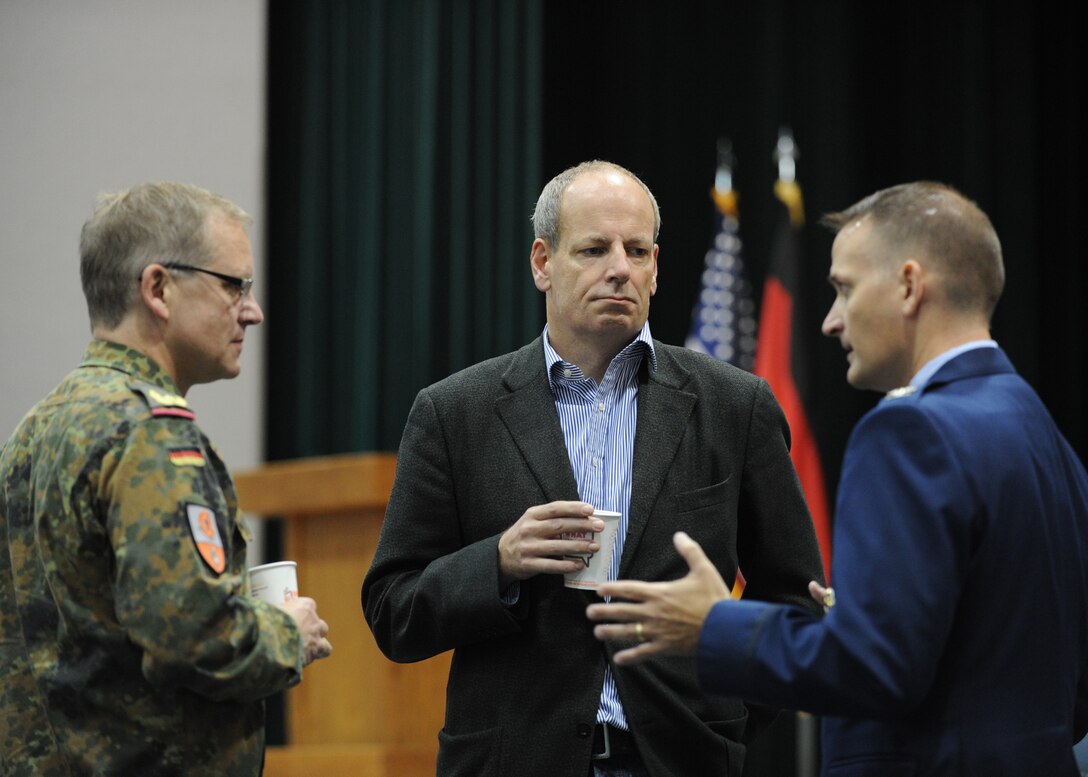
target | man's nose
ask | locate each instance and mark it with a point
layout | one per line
(251, 311)
(619, 264)
(832, 322)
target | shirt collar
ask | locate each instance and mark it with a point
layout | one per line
(929, 369)
(641, 347)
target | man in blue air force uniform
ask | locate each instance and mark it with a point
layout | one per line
(959, 639)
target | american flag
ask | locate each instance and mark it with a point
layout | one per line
(723, 323)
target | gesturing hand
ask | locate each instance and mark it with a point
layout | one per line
(662, 618)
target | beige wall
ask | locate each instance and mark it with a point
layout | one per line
(98, 95)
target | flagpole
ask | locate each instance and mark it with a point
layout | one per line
(723, 176)
(786, 188)
(785, 155)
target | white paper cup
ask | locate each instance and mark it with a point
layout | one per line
(274, 583)
(595, 566)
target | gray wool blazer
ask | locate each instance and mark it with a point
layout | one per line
(711, 458)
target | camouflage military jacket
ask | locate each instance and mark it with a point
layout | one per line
(127, 644)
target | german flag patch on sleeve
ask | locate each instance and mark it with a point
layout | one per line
(187, 457)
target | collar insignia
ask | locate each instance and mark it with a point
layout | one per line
(163, 403)
(902, 391)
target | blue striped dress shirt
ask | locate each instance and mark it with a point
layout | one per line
(599, 430)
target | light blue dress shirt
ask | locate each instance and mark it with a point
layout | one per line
(599, 430)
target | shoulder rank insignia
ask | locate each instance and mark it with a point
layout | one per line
(205, 531)
(186, 457)
(163, 403)
(902, 391)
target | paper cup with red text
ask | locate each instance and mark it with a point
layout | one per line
(274, 583)
(593, 568)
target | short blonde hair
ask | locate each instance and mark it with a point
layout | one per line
(945, 226)
(161, 221)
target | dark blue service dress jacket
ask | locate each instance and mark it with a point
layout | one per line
(959, 641)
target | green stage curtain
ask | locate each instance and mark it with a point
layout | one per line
(403, 163)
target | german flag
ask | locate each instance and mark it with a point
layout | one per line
(783, 366)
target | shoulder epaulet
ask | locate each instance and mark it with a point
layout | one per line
(902, 391)
(162, 402)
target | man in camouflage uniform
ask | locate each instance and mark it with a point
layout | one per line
(128, 645)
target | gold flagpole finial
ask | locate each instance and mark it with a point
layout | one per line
(786, 187)
(723, 194)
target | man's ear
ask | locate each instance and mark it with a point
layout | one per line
(653, 283)
(156, 290)
(539, 257)
(912, 285)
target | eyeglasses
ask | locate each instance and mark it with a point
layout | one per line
(241, 285)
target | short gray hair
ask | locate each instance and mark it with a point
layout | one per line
(947, 228)
(545, 217)
(161, 221)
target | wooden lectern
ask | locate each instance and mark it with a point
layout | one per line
(355, 713)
